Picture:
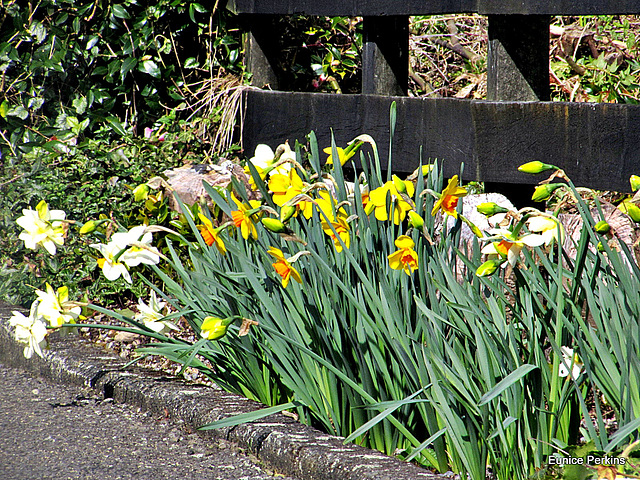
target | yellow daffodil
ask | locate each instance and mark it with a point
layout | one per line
(285, 187)
(31, 330)
(283, 267)
(214, 328)
(448, 200)
(151, 314)
(43, 227)
(326, 203)
(550, 229)
(211, 234)
(405, 258)
(55, 306)
(397, 208)
(511, 245)
(243, 218)
(341, 228)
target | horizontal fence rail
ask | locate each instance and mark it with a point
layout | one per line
(349, 8)
(597, 144)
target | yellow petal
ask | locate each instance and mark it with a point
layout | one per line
(404, 241)
(395, 260)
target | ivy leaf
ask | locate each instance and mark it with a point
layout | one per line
(117, 126)
(20, 112)
(127, 65)
(120, 12)
(4, 108)
(80, 105)
(93, 40)
(150, 67)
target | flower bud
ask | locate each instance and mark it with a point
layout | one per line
(543, 192)
(368, 210)
(273, 225)
(88, 227)
(415, 220)
(490, 208)
(536, 167)
(634, 180)
(286, 212)
(489, 267)
(630, 209)
(214, 328)
(141, 192)
(600, 247)
(602, 227)
(426, 170)
(399, 184)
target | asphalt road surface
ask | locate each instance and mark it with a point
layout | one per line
(59, 432)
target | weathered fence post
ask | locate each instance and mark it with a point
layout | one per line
(385, 55)
(518, 58)
(261, 50)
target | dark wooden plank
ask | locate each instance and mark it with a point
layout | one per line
(597, 144)
(518, 58)
(385, 55)
(428, 7)
(558, 7)
(352, 7)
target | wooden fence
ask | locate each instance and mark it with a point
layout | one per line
(597, 144)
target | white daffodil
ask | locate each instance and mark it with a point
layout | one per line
(550, 229)
(570, 363)
(151, 314)
(56, 308)
(141, 251)
(30, 330)
(511, 245)
(264, 158)
(126, 249)
(42, 227)
(111, 264)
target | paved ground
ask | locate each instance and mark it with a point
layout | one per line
(58, 432)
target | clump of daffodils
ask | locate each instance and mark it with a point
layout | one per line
(50, 311)
(31, 330)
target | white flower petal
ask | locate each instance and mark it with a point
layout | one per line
(532, 240)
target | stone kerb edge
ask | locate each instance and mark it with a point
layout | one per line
(288, 447)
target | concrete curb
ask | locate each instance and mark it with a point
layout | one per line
(288, 447)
